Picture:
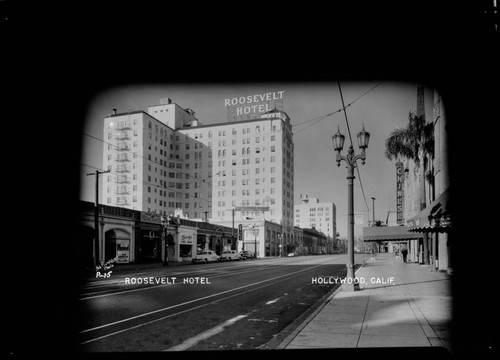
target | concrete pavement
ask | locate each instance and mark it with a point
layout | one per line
(397, 305)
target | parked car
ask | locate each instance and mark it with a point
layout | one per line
(245, 254)
(230, 255)
(206, 256)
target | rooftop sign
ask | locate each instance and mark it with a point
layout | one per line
(252, 106)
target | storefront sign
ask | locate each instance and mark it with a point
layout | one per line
(186, 236)
(399, 192)
(186, 240)
(252, 208)
(122, 251)
(358, 218)
(252, 105)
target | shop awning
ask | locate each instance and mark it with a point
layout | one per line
(434, 218)
(388, 233)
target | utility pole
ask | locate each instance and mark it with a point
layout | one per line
(373, 212)
(96, 215)
(232, 232)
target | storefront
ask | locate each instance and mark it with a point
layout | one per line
(187, 243)
(149, 238)
(435, 221)
(117, 245)
(149, 246)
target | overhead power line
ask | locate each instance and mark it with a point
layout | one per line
(318, 119)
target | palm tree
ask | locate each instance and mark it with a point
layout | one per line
(415, 142)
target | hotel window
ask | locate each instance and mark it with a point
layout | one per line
(257, 129)
(273, 148)
(257, 139)
(273, 137)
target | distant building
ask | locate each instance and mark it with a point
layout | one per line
(310, 213)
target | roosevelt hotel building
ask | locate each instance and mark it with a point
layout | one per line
(155, 168)
(252, 164)
(166, 161)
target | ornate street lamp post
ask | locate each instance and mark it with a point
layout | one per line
(350, 159)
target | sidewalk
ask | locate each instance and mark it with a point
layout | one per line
(414, 310)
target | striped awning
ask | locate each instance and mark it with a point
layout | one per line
(434, 218)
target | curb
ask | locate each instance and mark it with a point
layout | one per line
(329, 296)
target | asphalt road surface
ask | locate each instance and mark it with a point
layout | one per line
(216, 306)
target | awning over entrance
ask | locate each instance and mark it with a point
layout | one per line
(434, 218)
(388, 233)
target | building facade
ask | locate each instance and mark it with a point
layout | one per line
(154, 168)
(252, 171)
(133, 236)
(166, 162)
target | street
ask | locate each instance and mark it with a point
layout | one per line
(215, 306)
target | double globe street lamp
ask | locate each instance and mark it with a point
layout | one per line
(350, 159)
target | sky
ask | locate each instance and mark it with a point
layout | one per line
(379, 106)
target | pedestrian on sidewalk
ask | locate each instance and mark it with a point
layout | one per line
(404, 252)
